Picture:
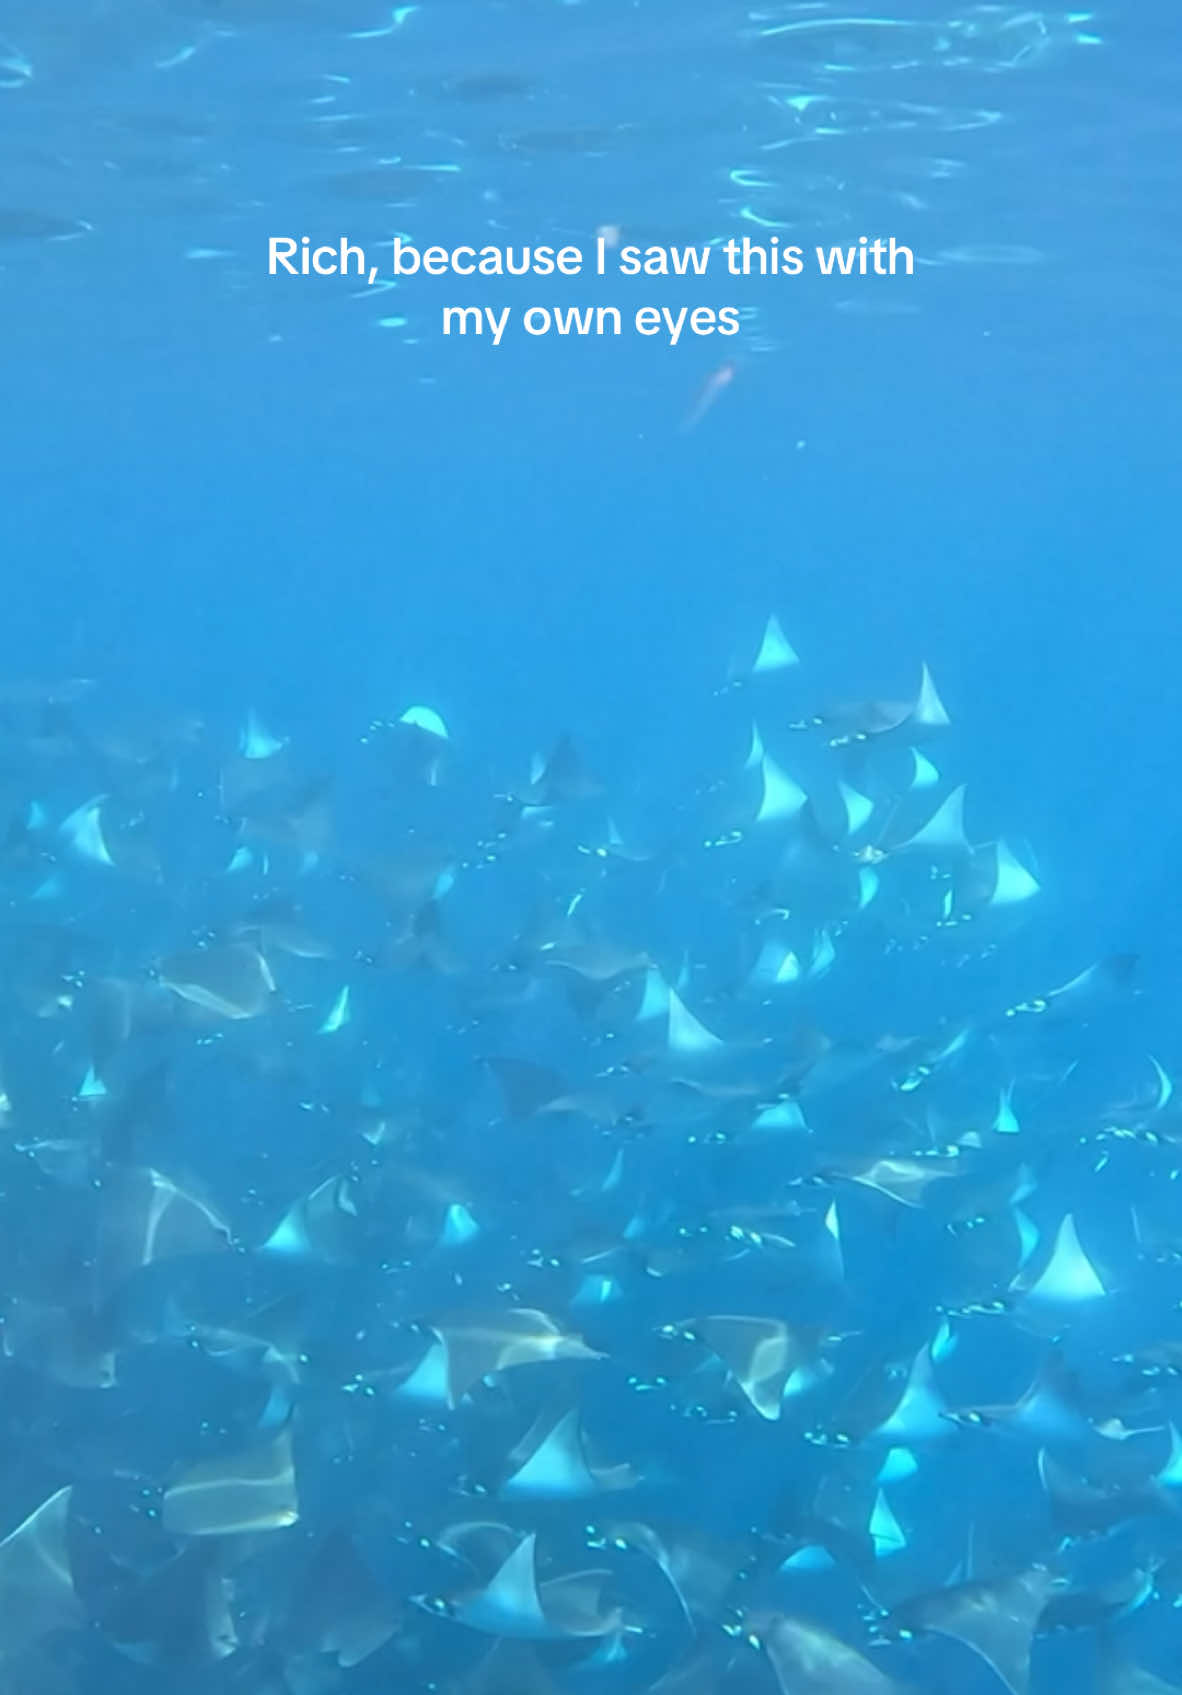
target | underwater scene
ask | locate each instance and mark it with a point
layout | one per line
(590, 1030)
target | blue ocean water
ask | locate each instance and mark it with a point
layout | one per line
(257, 476)
(227, 491)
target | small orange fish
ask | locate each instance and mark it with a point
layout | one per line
(708, 394)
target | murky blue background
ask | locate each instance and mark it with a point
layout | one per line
(223, 489)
